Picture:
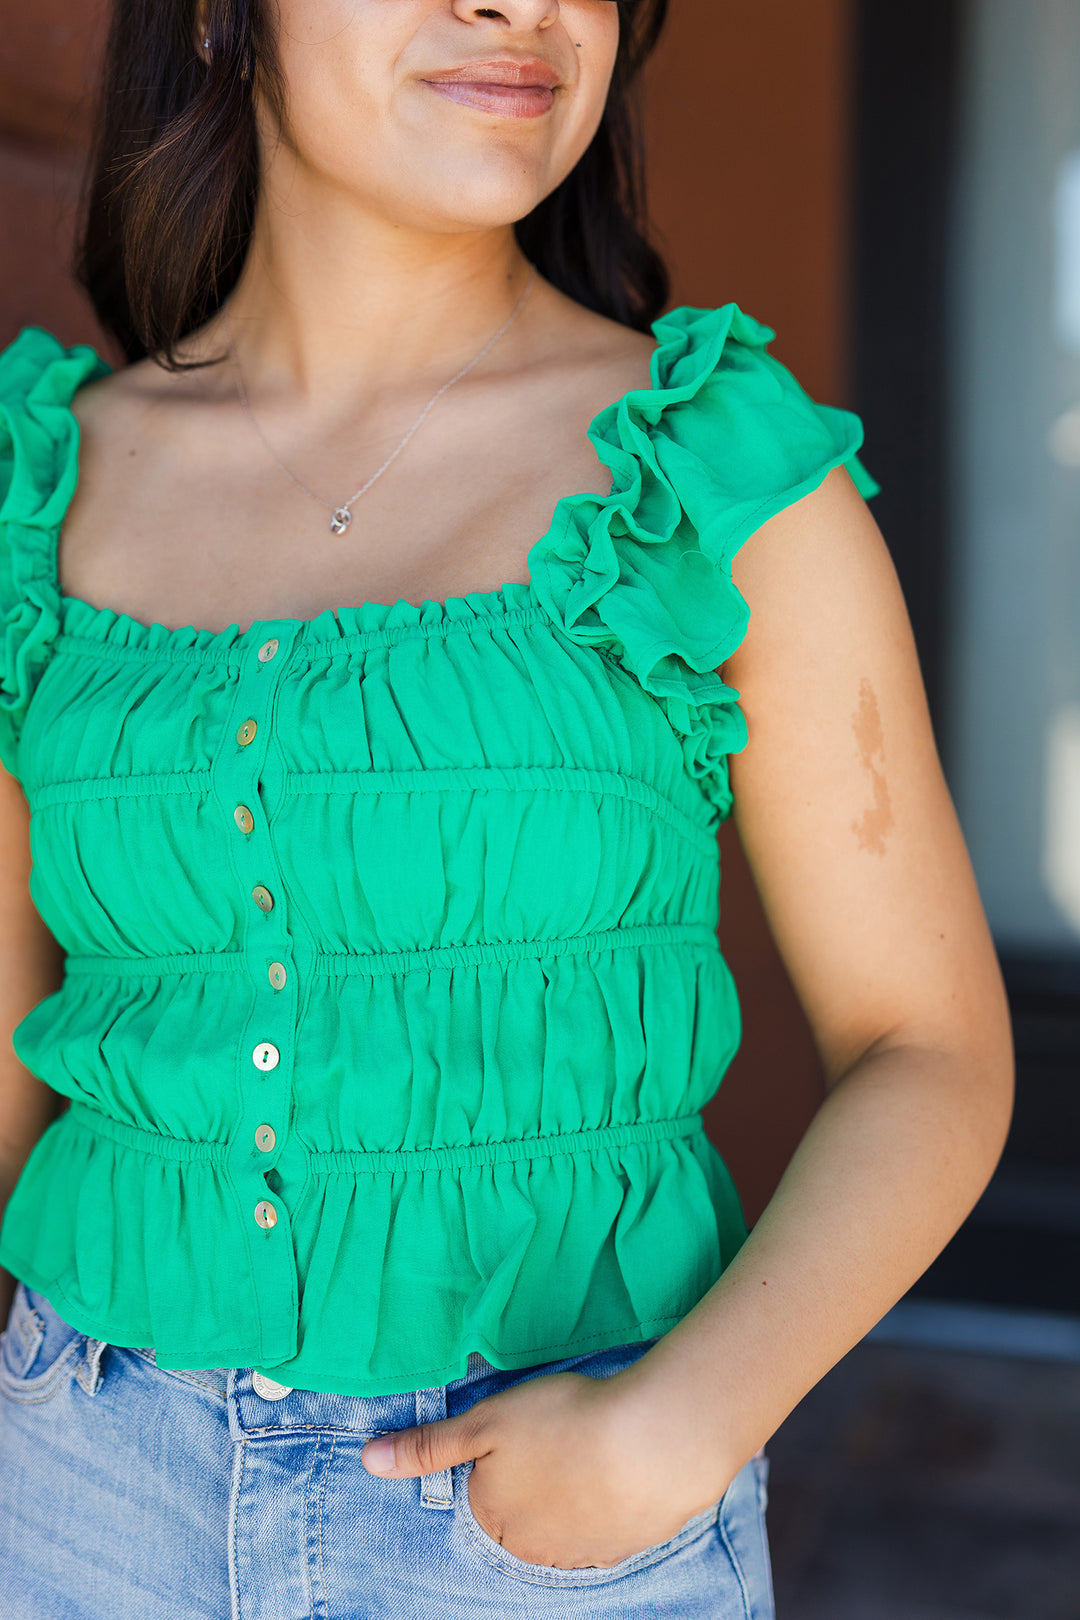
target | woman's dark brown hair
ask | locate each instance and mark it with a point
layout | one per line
(174, 176)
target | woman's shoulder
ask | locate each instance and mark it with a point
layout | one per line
(724, 422)
(39, 376)
(725, 435)
(37, 369)
(724, 438)
(25, 359)
(741, 413)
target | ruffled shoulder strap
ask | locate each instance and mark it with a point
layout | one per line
(39, 444)
(723, 440)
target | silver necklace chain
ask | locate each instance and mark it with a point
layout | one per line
(341, 516)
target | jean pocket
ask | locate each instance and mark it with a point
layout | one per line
(493, 1552)
(38, 1348)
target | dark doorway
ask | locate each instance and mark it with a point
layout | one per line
(915, 73)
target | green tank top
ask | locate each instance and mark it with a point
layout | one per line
(392, 989)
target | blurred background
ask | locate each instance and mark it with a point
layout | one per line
(894, 186)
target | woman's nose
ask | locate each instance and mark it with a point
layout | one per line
(523, 16)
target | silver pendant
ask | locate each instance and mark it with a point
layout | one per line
(340, 520)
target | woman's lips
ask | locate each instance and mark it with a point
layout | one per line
(507, 100)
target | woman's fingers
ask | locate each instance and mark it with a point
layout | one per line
(427, 1448)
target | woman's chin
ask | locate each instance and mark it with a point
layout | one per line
(473, 201)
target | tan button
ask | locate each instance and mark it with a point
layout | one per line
(278, 975)
(268, 1388)
(268, 649)
(265, 1213)
(246, 733)
(265, 1138)
(262, 898)
(244, 818)
(266, 1055)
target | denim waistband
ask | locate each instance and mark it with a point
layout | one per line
(262, 1405)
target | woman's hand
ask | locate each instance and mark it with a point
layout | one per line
(571, 1471)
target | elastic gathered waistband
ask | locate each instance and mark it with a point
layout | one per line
(360, 1162)
(437, 958)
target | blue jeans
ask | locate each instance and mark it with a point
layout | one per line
(129, 1492)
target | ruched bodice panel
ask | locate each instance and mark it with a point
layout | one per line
(400, 922)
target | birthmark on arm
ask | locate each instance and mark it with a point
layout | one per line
(876, 821)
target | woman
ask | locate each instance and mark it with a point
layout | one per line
(378, 844)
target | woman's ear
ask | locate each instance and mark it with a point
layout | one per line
(204, 45)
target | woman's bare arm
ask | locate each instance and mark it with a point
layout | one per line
(31, 967)
(851, 835)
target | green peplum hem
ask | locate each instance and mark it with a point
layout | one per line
(148, 1212)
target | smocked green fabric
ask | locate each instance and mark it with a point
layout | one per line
(486, 829)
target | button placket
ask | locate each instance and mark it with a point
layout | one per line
(265, 1037)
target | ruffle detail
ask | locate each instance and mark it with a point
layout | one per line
(39, 449)
(414, 1271)
(723, 440)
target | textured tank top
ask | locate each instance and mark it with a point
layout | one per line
(392, 990)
